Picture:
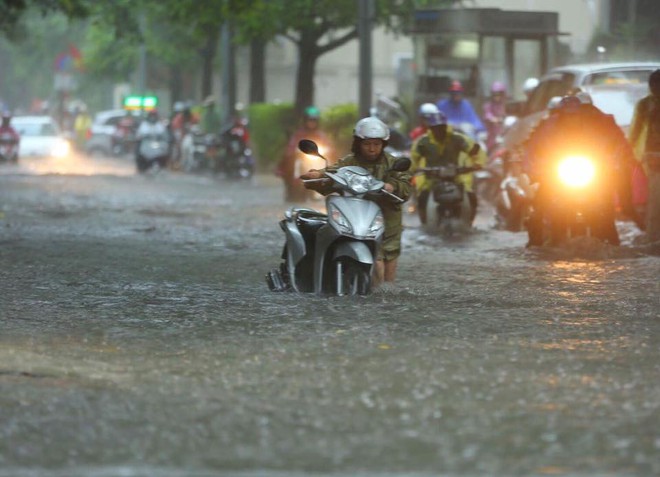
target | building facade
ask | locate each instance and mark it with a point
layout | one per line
(337, 81)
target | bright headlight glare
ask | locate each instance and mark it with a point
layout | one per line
(61, 149)
(576, 171)
(337, 217)
(359, 184)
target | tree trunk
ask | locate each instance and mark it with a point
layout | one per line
(257, 71)
(208, 55)
(307, 55)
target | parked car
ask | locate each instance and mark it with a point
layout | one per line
(104, 126)
(40, 137)
(614, 87)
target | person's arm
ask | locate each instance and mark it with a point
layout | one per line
(415, 157)
(489, 114)
(399, 183)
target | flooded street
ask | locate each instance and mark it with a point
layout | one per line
(138, 338)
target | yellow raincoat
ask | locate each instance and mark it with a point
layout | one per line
(456, 148)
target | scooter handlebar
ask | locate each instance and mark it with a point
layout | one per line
(459, 170)
(398, 199)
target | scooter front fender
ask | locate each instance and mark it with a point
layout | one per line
(358, 251)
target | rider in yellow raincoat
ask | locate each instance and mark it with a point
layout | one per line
(442, 145)
(644, 136)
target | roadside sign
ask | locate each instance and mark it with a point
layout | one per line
(145, 103)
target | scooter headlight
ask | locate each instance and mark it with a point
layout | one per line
(377, 226)
(576, 171)
(340, 220)
(359, 184)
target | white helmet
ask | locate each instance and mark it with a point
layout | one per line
(530, 84)
(371, 128)
(428, 109)
(553, 103)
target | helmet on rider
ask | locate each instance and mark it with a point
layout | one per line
(530, 85)
(152, 115)
(178, 106)
(569, 103)
(428, 108)
(456, 87)
(553, 103)
(371, 128)
(498, 87)
(312, 112)
(436, 119)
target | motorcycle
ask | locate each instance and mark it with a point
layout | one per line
(235, 159)
(451, 210)
(577, 201)
(200, 151)
(514, 202)
(153, 149)
(334, 253)
(123, 141)
(8, 148)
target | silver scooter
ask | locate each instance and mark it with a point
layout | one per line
(334, 253)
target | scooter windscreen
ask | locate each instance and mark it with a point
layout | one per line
(357, 180)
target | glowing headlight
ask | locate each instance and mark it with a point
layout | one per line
(61, 149)
(359, 184)
(576, 171)
(338, 218)
(377, 225)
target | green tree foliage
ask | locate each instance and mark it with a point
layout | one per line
(28, 62)
(315, 27)
(13, 11)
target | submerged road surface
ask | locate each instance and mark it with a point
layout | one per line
(138, 338)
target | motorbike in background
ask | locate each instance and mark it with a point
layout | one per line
(577, 199)
(514, 201)
(235, 158)
(452, 209)
(201, 151)
(153, 150)
(8, 148)
(123, 141)
(334, 253)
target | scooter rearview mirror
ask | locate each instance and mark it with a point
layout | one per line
(308, 147)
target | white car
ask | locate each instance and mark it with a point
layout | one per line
(614, 88)
(40, 137)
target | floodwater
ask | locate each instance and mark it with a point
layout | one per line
(138, 338)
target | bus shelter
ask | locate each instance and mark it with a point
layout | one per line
(479, 46)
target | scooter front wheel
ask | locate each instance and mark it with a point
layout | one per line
(355, 278)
